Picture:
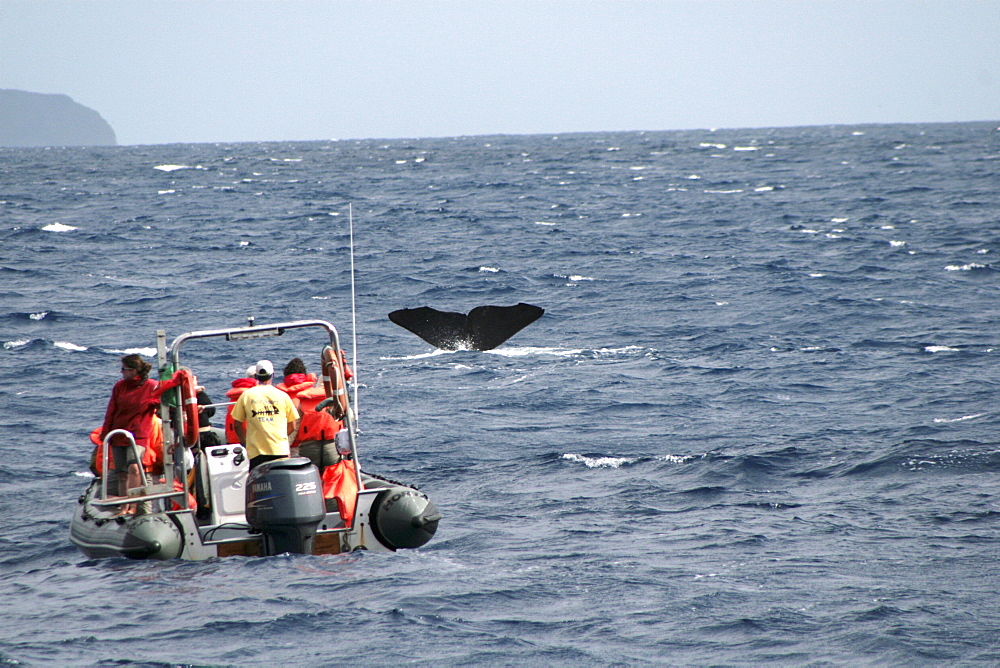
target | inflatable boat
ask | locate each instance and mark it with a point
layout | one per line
(208, 503)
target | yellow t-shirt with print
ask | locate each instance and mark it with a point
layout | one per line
(265, 411)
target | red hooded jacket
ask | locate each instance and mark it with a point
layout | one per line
(240, 386)
(132, 405)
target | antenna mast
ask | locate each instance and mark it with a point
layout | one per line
(354, 312)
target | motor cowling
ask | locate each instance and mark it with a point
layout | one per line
(284, 502)
(402, 517)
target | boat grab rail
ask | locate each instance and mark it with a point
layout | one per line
(172, 355)
(129, 497)
(106, 455)
(219, 405)
(252, 331)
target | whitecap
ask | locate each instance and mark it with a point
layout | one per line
(960, 419)
(420, 356)
(725, 192)
(763, 189)
(897, 244)
(527, 351)
(965, 267)
(38, 316)
(940, 349)
(745, 148)
(489, 270)
(618, 351)
(58, 227)
(706, 144)
(599, 462)
(165, 192)
(10, 345)
(66, 345)
(839, 220)
(675, 459)
(145, 352)
(171, 168)
(543, 222)
(83, 474)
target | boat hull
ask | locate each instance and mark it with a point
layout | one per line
(389, 516)
(99, 533)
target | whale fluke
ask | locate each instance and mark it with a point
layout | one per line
(484, 328)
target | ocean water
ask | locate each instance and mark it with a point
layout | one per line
(757, 423)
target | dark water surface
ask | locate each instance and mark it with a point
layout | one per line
(757, 423)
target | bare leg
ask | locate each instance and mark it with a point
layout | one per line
(133, 479)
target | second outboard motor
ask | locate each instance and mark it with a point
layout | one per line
(285, 504)
(401, 516)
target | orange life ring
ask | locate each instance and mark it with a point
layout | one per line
(189, 404)
(333, 380)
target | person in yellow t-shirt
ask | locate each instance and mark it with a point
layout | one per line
(264, 417)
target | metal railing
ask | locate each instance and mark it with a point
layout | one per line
(147, 492)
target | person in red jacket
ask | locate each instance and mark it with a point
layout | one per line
(239, 386)
(134, 400)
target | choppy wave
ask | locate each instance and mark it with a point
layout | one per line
(756, 425)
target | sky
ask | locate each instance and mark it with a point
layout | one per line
(164, 71)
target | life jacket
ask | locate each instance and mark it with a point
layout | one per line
(240, 385)
(294, 383)
(339, 482)
(152, 457)
(315, 426)
(179, 487)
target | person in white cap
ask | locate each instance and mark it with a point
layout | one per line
(264, 417)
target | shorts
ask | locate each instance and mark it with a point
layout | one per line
(124, 455)
(260, 459)
(209, 439)
(320, 453)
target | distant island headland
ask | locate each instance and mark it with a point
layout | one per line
(37, 119)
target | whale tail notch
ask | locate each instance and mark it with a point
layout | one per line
(484, 328)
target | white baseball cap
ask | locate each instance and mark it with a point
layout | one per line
(264, 369)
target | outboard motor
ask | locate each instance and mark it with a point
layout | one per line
(402, 517)
(285, 504)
